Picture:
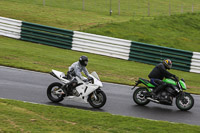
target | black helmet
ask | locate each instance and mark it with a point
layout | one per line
(83, 60)
(167, 63)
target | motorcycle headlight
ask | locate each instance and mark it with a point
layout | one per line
(183, 85)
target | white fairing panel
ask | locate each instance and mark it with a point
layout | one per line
(95, 75)
(60, 75)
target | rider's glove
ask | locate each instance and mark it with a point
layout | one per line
(176, 78)
(85, 80)
(89, 78)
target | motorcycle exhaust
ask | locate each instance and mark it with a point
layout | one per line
(153, 100)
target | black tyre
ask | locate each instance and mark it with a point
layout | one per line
(185, 103)
(51, 92)
(100, 99)
(138, 96)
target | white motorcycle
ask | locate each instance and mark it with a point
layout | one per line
(85, 92)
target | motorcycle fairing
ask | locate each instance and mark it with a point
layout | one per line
(169, 81)
(183, 85)
(59, 75)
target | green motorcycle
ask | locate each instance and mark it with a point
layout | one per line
(173, 89)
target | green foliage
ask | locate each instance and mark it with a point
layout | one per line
(18, 116)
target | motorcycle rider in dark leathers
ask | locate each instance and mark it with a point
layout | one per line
(158, 73)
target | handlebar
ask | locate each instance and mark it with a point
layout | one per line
(175, 78)
(89, 79)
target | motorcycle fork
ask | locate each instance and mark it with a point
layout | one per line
(94, 95)
(182, 95)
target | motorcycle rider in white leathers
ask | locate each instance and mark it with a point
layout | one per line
(77, 67)
(75, 70)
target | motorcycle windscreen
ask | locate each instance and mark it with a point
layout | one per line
(95, 75)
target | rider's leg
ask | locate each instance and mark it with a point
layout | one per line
(153, 93)
(71, 86)
(67, 88)
(160, 86)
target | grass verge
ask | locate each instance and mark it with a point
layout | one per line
(26, 55)
(124, 8)
(17, 116)
(57, 16)
(177, 31)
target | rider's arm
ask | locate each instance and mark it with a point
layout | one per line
(78, 73)
(85, 71)
(72, 67)
(167, 74)
(164, 72)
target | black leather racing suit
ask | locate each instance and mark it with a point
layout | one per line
(157, 75)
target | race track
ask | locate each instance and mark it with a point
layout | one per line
(31, 86)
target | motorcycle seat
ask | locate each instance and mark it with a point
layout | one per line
(145, 80)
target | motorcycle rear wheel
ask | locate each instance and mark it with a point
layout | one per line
(138, 96)
(100, 99)
(51, 92)
(185, 103)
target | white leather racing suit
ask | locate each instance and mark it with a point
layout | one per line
(77, 68)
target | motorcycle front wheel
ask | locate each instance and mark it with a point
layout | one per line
(185, 102)
(138, 96)
(53, 92)
(97, 99)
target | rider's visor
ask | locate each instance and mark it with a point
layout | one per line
(86, 62)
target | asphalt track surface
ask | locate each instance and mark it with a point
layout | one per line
(31, 86)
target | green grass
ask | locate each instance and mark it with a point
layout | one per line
(16, 116)
(127, 7)
(68, 14)
(26, 55)
(178, 31)
(66, 18)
